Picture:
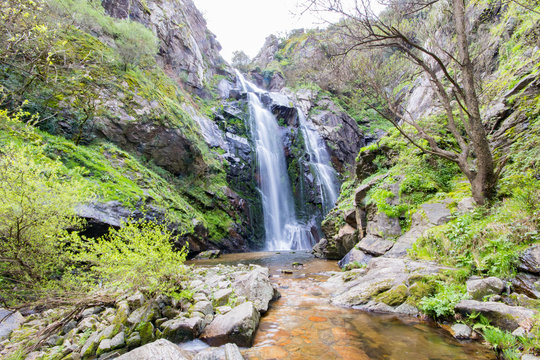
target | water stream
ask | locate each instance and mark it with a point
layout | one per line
(319, 161)
(282, 229)
(304, 325)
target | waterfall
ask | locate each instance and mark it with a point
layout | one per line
(319, 162)
(282, 229)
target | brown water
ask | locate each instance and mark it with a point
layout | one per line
(303, 324)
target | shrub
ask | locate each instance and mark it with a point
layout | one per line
(442, 304)
(36, 207)
(137, 256)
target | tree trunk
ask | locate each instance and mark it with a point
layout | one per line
(483, 180)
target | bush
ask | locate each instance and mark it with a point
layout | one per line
(442, 304)
(137, 256)
(36, 207)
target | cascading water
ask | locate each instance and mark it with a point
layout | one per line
(283, 232)
(319, 162)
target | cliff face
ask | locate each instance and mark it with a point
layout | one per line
(188, 51)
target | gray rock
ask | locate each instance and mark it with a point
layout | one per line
(374, 245)
(161, 349)
(529, 260)
(478, 288)
(355, 256)
(466, 205)
(90, 346)
(9, 321)
(528, 284)
(142, 314)
(437, 213)
(209, 254)
(461, 331)
(530, 357)
(107, 345)
(221, 297)
(501, 315)
(204, 307)
(383, 226)
(134, 340)
(232, 352)
(519, 332)
(135, 301)
(237, 326)
(178, 330)
(407, 309)
(406, 241)
(380, 275)
(256, 287)
(223, 309)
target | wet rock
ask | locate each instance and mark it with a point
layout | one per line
(355, 256)
(527, 284)
(374, 245)
(161, 349)
(461, 331)
(478, 288)
(209, 254)
(326, 249)
(407, 309)
(237, 326)
(281, 106)
(178, 330)
(9, 321)
(501, 315)
(529, 260)
(256, 287)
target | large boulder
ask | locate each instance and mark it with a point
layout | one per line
(178, 330)
(529, 260)
(406, 241)
(326, 249)
(500, 315)
(9, 321)
(383, 226)
(161, 349)
(355, 256)
(256, 287)
(436, 213)
(237, 326)
(374, 245)
(479, 288)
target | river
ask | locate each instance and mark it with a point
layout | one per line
(303, 324)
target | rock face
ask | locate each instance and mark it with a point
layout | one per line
(161, 349)
(375, 246)
(237, 326)
(501, 315)
(530, 260)
(187, 47)
(9, 321)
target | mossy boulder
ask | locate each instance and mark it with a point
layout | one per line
(395, 296)
(146, 332)
(419, 290)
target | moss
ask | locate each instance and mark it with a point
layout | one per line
(146, 332)
(419, 290)
(395, 296)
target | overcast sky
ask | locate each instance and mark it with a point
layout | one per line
(244, 24)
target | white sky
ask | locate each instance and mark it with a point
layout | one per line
(244, 24)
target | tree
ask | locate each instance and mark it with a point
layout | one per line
(397, 34)
(37, 202)
(240, 60)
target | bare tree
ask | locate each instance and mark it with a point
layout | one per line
(397, 31)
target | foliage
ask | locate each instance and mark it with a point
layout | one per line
(442, 303)
(240, 61)
(37, 201)
(135, 43)
(137, 256)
